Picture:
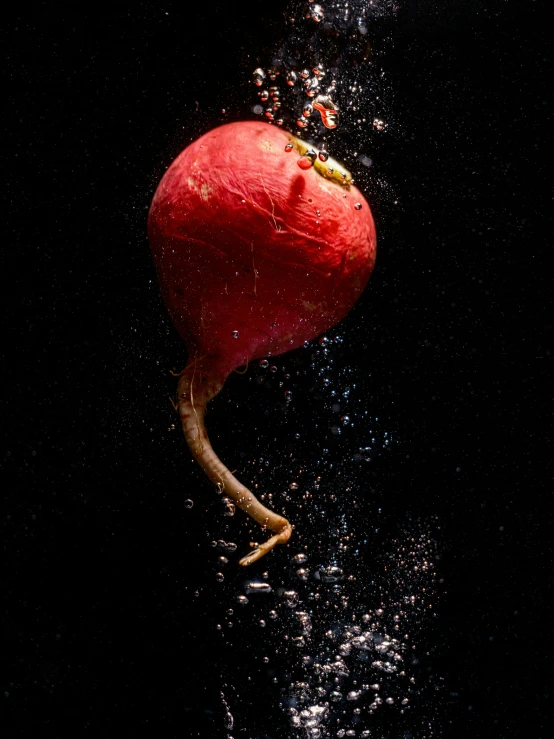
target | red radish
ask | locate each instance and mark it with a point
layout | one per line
(255, 256)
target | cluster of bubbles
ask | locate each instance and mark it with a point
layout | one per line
(347, 650)
(343, 401)
(318, 96)
(300, 89)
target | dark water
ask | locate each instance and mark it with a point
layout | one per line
(114, 618)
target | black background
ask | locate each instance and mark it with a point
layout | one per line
(111, 601)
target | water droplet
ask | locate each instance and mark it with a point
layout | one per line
(288, 395)
(219, 576)
(189, 503)
(264, 95)
(273, 368)
(269, 114)
(379, 124)
(328, 109)
(257, 110)
(308, 110)
(289, 146)
(259, 76)
(293, 486)
(301, 122)
(235, 334)
(319, 71)
(358, 206)
(335, 696)
(323, 155)
(390, 701)
(261, 623)
(304, 74)
(299, 558)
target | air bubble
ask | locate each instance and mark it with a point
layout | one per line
(289, 147)
(353, 695)
(328, 110)
(308, 110)
(323, 156)
(242, 600)
(263, 363)
(358, 206)
(235, 334)
(264, 95)
(219, 576)
(291, 78)
(259, 76)
(379, 124)
(316, 13)
(332, 573)
(290, 598)
(301, 122)
(226, 546)
(189, 503)
(230, 507)
(254, 586)
(307, 160)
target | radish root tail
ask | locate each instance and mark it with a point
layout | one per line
(201, 380)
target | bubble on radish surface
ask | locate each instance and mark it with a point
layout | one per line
(235, 334)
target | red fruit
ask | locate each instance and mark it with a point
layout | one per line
(255, 256)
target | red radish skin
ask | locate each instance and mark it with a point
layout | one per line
(255, 256)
